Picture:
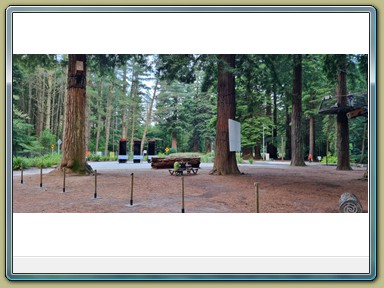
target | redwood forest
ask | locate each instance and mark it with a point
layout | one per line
(291, 107)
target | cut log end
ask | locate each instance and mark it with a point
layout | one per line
(348, 203)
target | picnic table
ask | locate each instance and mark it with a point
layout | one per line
(187, 168)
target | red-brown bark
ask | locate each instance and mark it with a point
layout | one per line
(74, 123)
(225, 160)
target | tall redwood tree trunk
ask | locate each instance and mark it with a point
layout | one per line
(297, 139)
(342, 119)
(75, 104)
(225, 161)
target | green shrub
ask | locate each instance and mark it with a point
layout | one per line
(105, 158)
(41, 161)
(207, 158)
(239, 160)
(46, 139)
(250, 160)
(18, 162)
(172, 151)
(331, 159)
(95, 157)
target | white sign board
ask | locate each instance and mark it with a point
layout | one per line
(234, 135)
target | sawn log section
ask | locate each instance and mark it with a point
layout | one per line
(167, 163)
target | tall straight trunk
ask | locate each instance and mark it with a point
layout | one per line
(149, 115)
(312, 136)
(195, 146)
(87, 118)
(124, 124)
(135, 90)
(59, 112)
(208, 146)
(225, 160)
(54, 103)
(74, 129)
(174, 140)
(48, 111)
(257, 152)
(30, 88)
(108, 117)
(30, 91)
(297, 133)
(99, 124)
(274, 134)
(287, 133)
(342, 119)
(40, 106)
(363, 143)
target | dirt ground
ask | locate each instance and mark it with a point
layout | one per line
(282, 189)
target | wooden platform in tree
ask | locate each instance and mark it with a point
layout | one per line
(355, 105)
(167, 162)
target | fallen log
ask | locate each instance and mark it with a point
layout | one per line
(167, 163)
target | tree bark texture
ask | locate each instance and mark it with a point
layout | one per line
(134, 93)
(48, 109)
(99, 123)
(342, 119)
(225, 161)
(297, 133)
(108, 117)
(74, 126)
(287, 133)
(124, 124)
(149, 115)
(40, 105)
(174, 140)
(312, 136)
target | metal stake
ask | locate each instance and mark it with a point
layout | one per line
(95, 195)
(41, 176)
(22, 172)
(182, 195)
(64, 180)
(257, 196)
(131, 189)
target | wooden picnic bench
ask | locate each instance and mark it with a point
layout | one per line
(180, 171)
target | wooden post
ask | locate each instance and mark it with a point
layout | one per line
(131, 189)
(257, 196)
(182, 195)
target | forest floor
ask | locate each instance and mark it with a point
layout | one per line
(315, 188)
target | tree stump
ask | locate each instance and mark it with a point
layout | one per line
(348, 203)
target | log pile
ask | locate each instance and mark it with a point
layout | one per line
(167, 163)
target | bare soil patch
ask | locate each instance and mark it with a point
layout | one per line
(282, 189)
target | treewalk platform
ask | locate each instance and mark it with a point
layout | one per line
(356, 105)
